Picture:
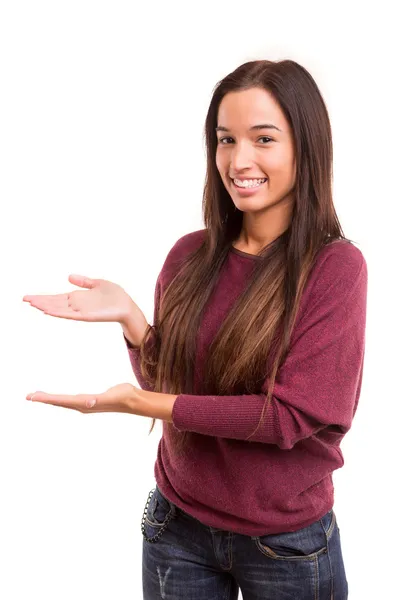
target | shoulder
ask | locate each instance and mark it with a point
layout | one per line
(187, 244)
(184, 246)
(342, 250)
(340, 259)
(339, 270)
(336, 282)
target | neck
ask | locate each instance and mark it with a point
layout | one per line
(261, 229)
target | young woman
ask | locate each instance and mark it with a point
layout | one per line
(254, 360)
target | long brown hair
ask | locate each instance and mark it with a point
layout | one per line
(254, 339)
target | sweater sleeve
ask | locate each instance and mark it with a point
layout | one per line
(319, 383)
(134, 351)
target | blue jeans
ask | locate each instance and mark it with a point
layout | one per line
(188, 560)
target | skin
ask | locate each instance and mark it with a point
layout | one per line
(242, 153)
(266, 152)
(102, 300)
(123, 397)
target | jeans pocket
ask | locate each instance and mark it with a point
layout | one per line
(158, 509)
(156, 515)
(302, 545)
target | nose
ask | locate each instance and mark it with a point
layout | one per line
(241, 157)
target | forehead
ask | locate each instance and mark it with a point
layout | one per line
(243, 109)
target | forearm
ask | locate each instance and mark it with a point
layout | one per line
(134, 334)
(153, 404)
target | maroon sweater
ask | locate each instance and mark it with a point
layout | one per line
(282, 479)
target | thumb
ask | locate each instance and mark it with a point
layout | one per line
(82, 281)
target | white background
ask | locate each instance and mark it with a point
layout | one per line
(102, 165)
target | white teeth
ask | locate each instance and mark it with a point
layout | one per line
(249, 182)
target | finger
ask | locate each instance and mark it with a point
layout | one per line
(80, 402)
(57, 306)
(79, 280)
(66, 312)
(46, 303)
(61, 298)
(82, 281)
(70, 313)
(30, 396)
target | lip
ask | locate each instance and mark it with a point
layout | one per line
(248, 191)
(244, 178)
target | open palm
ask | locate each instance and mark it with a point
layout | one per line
(102, 300)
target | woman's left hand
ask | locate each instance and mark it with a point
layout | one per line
(119, 398)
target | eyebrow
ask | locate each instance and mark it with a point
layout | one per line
(255, 127)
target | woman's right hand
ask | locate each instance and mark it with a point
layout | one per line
(102, 300)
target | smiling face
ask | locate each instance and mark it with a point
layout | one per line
(255, 142)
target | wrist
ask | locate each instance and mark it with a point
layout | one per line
(134, 332)
(152, 404)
